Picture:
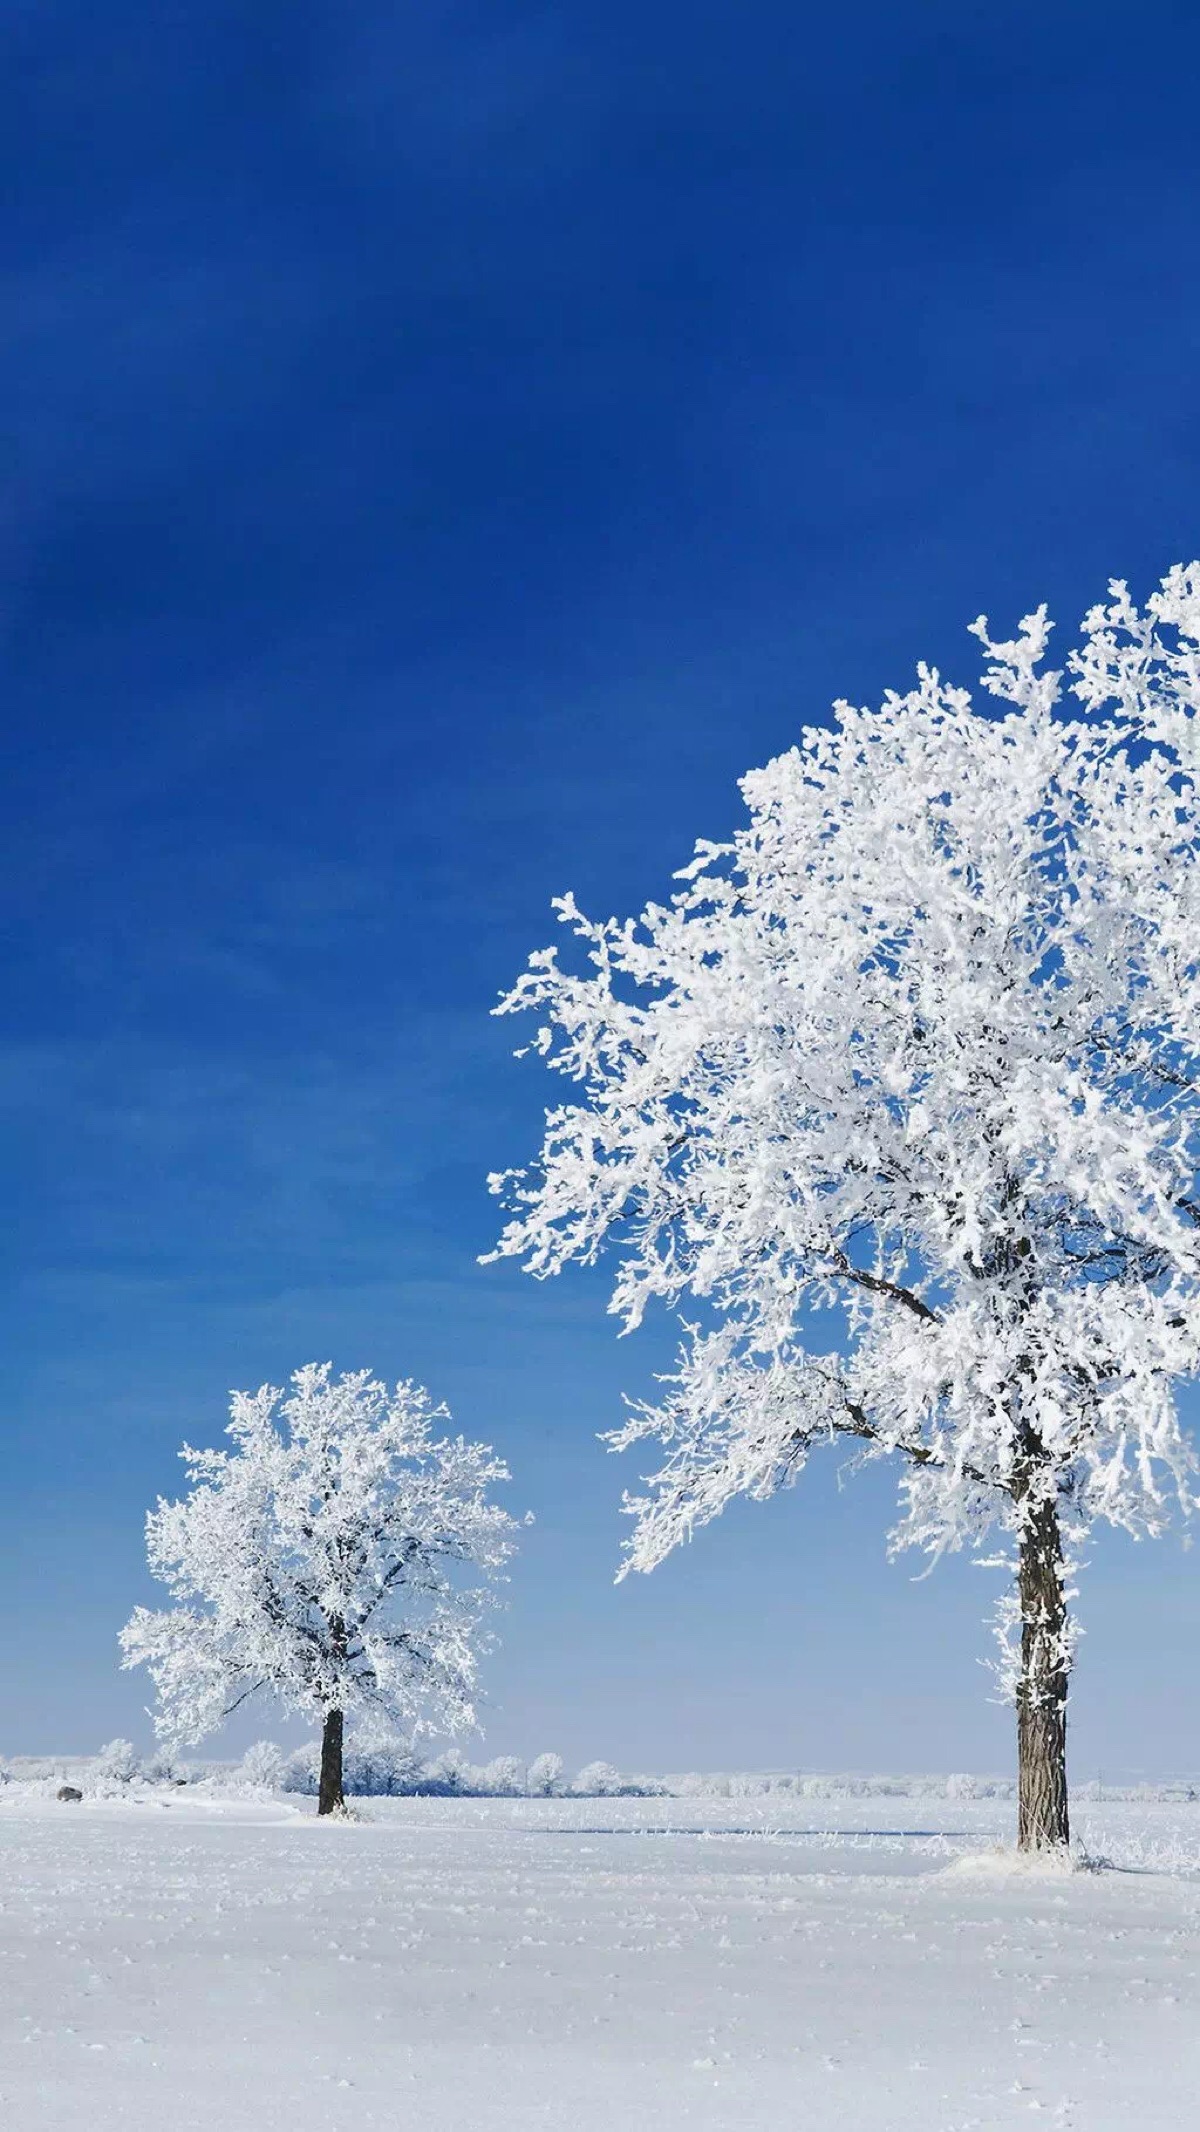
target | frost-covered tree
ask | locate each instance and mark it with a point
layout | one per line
(339, 1557)
(921, 1044)
(117, 1763)
(451, 1774)
(262, 1766)
(505, 1776)
(545, 1775)
(162, 1767)
(597, 1780)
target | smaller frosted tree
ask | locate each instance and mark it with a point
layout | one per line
(545, 1776)
(340, 1557)
(505, 1776)
(262, 1765)
(598, 1780)
(117, 1762)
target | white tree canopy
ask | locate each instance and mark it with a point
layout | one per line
(340, 1555)
(922, 1043)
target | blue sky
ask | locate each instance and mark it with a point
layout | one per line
(440, 449)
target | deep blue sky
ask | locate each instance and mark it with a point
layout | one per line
(440, 449)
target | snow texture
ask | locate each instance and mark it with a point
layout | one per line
(199, 1961)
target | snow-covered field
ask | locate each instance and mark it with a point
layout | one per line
(182, 1961)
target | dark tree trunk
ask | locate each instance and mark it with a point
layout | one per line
(1042, 1820)
(331, 1798)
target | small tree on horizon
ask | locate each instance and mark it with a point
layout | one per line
(921, 1044)
(545, 1775)
(339, 1558)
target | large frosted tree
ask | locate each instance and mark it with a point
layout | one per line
(921, 1043)
(339, 1558)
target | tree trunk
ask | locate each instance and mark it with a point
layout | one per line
(331, 1798)
(1042, 1821)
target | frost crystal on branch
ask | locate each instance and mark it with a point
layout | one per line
(338, 1556)
(920, 1044)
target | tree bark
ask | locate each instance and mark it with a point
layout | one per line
(331, 1798)
(1042, 1816)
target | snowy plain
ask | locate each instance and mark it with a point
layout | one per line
(198, 1960)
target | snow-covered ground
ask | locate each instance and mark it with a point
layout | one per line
(613, 1965)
